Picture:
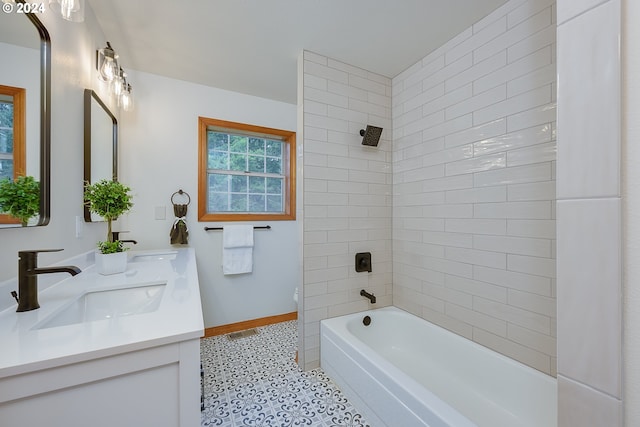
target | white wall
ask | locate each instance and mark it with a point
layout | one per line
(73, 48)
(474, 184)
(347, 193)
(159, 155)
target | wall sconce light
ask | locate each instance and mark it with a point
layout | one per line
(71, 10)
(119, 82)
(107, 63)
(126, 100)
(111, 72)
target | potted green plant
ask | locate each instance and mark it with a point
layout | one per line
(20, 198)
(109, 199)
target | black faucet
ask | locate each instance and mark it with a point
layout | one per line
(115, 235)
(366, 294)
(28, 271)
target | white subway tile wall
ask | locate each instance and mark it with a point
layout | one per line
(347, 193)
(474, 150)
(591, 230)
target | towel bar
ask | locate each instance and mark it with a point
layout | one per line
(264, 227)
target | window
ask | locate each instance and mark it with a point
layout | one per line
(245, 172)
(12, 137)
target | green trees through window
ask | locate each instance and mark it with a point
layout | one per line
(259, 160)
(249, 170)
(6, 137)
(12, 137)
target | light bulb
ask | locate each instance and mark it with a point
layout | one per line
(71, 10)
(126, 100)
(117, 86)
(122, 98)
(107, 64)
(119, 83)
(68, 7)
(108, 69)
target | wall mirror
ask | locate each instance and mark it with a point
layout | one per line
(25, 106)
(100, 144)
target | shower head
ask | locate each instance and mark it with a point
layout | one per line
(371, 135)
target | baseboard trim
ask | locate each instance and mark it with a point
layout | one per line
(248, 324)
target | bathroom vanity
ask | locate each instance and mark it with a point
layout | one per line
(118, 350)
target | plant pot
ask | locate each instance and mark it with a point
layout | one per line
(111, 263)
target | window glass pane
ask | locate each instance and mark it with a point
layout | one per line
(256, 146)
(256, 184)
(6, 169)
(218, 182)
(274, 203)
(256, 164)
(218, 202)
(274, 185)
(246, 171)
(274, 148)
(218, 160)
(238, 202)
(256, 203)
(274, 165)
(6, 141)
(6, 114)
(239, 184)
(218, 141)
(238, 162)
(238, 144)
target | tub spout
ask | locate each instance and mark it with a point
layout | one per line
(371, 297)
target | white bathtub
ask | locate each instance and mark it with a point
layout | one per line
(404, 371)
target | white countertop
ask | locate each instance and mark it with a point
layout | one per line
(178, 318)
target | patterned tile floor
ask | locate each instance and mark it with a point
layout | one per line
(254, 381)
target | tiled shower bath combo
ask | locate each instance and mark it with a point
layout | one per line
(456, 203)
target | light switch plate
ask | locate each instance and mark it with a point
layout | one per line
(79, 226)
(161, 212)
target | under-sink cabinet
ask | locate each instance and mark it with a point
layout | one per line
(62, 366)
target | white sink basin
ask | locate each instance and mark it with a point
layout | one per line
(156, 256)
(107, 304)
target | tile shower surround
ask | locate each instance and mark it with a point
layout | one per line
(474, 151)
(590, 212)
(347, 194)
(459, 211)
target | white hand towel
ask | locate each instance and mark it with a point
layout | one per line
(237, 249)
(237, 236)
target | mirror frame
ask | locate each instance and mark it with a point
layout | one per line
(45, 120)
(44, 213)
(89, 96)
